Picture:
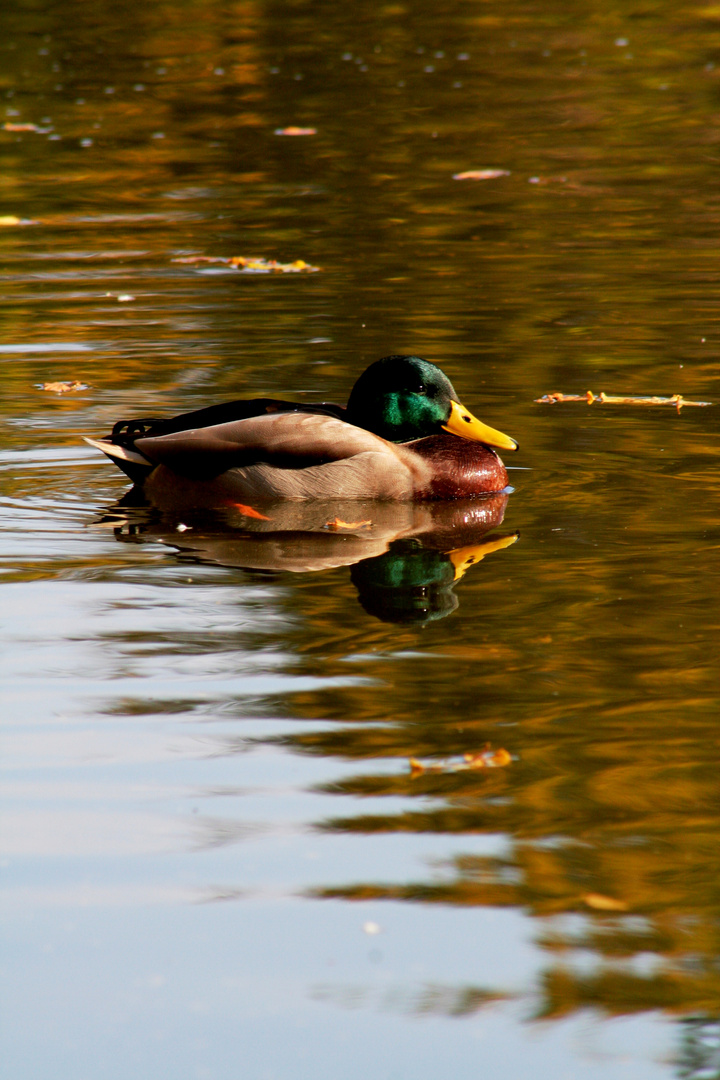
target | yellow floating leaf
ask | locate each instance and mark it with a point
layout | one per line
(252, 264)
(10, 219)
(338, 525)
(295, 131)
(604, 903)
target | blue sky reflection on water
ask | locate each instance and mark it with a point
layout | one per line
(155, 842)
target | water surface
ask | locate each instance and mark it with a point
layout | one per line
(217, 857)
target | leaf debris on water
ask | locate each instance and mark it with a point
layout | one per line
(604, 903)
(481, 174)
(338, 525)
(249, 511)
(296, 131)
(10, 126)
(251, 264)
(70, 387)
(611, 399)
(483, 759)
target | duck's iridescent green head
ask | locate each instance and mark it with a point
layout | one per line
(404, 397)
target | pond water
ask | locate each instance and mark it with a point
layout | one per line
(314, 805)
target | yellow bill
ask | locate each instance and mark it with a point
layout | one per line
(467, 426)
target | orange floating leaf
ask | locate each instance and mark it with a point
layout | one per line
(488, 759)
(484, 759)
(481, 174)
(295, 131)
(11, 126)
(63, 387)
(249, 511)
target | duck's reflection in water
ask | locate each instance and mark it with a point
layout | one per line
(405, 557)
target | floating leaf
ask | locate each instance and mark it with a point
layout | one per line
(604, 903)
(483, 759)
(488, 759)
(481, 174)
(337, 525)
(249, 511)
(295, 131)
(251, 264)
(10, 126)
(63, 387)
(608, 399)
(264, 266)
(10, 219)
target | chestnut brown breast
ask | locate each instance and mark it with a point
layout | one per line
(461, 468)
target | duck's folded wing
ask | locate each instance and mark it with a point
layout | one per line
(125, 432)
(284, 440)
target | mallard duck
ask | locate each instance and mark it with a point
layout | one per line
(403, 435)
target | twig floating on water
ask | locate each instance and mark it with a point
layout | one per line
(611, 399)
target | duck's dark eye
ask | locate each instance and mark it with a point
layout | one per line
(422, 389)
